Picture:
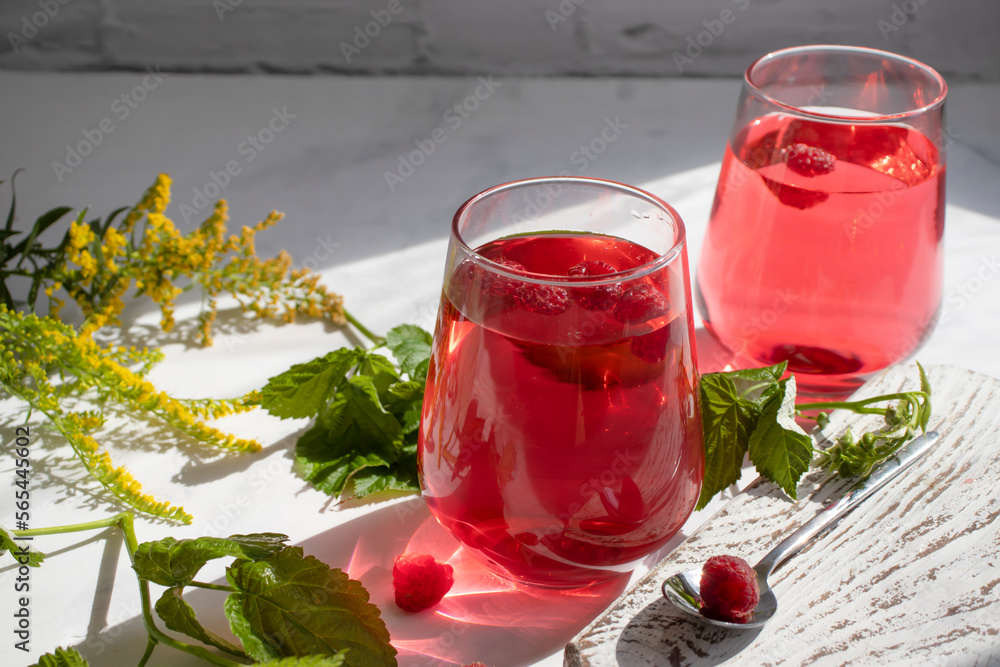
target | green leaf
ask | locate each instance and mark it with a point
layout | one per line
(62, 657)
(8, 544)
(256, 646)
(171, 562)
(779, 449)
(291, 605)
(355, 432)
(758, 385)
(727, 422)
(304, 389)
(307, 661)
(405, 401)
(43, 222)
(178, 615)
(381, 371)
(400, 476)
(411, 346)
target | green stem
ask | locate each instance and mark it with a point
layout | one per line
(77, 527)
(860, 407)
(213, 587)
(375, 339)
(150, 645)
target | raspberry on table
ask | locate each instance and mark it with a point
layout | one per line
(600, 297)
(641, 303)
(729, 589)
(807, 160)
(544, 299)
(420, 582)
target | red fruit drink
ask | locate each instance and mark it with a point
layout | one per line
(561, 433)
(824, 248)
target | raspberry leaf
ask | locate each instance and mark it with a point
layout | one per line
(779, 448)
(172, 562)
(307, 661)
(727, 422)
(295, 605)
(303, 390)
(178, 615)
(8, 544)
(356, 432)
(62, 657)
(411, 346)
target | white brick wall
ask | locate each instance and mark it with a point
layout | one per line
(511, 37)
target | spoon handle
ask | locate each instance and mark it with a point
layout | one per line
(837, 509)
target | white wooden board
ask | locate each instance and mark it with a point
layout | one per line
(912, 576)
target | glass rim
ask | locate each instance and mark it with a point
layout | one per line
(661, 261)
(933, 74)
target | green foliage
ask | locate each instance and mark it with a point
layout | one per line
(62, 657)
(308, 661)
(288, 604)
(779, 448)
(8, 544)
(366, 414)
(855, 457)
(171, 562)
(753, 412)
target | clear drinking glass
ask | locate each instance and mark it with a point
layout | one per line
(824, 245)
(560, 439)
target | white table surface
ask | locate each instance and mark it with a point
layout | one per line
(383, 250)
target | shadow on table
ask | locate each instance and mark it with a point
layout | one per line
(483, 618)
(661, 634)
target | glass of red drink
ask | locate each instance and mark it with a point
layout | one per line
(560, 439)
(824, 245)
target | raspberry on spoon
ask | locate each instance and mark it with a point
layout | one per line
(729, 589)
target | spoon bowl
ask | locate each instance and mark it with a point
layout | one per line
(684, 589)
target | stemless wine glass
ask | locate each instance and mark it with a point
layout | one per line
(824, 245)
(560, 439)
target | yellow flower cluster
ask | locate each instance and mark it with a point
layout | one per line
(99, 271)
(49, 364)
(37, 349)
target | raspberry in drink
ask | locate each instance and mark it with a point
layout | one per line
(824, 247)
(561, 433)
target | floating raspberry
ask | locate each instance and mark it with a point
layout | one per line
(601, 297)
(652, 347)
(807, 160)
(477, 664)
(591, 268)
(502, 285)
(544, 299)
(420, 582)
(729, 589)
(799, 198)
(641, 303)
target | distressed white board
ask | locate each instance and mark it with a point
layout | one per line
(912, 576)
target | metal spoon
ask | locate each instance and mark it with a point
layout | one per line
(683, 589)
